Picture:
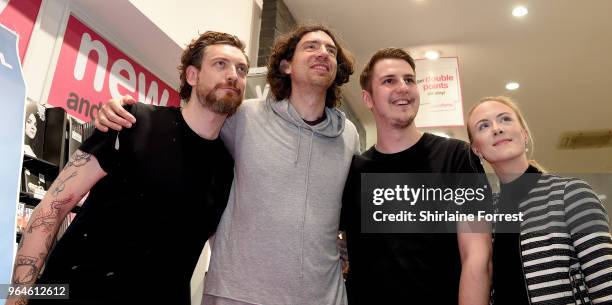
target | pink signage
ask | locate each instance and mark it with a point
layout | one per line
(90, 71)
(20, 16)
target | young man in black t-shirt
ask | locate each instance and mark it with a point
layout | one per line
(157, 192)
(398, 268)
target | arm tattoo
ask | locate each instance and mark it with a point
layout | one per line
(62, 185)
(79, 159)
(26, 270)
(21, 301)
(48, 219)
(49, 242)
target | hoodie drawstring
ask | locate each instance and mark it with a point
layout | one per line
(297, 152)
(305, 203)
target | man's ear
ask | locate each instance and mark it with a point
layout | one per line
(367, 99)
(285, 67)
(191, 74)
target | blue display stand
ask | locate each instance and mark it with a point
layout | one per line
(12, 102)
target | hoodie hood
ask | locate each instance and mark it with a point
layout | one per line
(331, 127)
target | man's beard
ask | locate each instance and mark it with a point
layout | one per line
(323, 81)
(226, 104)
(402, 123)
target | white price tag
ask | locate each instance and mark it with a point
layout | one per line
(77, 136)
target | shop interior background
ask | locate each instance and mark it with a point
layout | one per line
(558, 53)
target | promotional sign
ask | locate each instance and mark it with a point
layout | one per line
(90, 71)
(20, 16)
(13, 90)
(440, 90)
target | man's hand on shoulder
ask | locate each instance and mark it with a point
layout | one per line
(112, 115)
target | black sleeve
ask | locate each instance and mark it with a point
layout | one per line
(105, 146)
(472, 176)
(350, 196)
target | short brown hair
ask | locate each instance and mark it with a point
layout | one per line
(365, 79)
(194, 53)
(284, 48)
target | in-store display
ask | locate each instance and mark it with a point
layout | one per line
(55, 136)
(34, 131)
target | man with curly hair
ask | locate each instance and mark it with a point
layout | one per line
(276, 243)
(125, 246)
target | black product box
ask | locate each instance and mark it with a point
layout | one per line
(55, 136)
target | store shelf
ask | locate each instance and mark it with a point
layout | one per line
(41, 166)
(29, 200)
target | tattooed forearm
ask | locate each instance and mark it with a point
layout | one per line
(22, 301)
(61, 184)
(78, 159)
(21, 241)
(49, 242)
(26, 270)
(47, 219)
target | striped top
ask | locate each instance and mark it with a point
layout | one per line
(564, 224)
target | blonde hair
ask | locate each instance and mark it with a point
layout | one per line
(521, 118)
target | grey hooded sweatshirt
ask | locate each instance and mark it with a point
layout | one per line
(276, 242)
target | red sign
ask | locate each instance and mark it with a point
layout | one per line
(20, 16)
(90, 71)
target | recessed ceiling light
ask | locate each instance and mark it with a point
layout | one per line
(512, 86)
(431, 54)
(519, 11)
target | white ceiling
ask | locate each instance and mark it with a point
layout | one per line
(560, 53)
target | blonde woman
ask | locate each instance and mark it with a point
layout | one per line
(561, 252)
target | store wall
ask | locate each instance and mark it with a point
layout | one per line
(118, 22)
(168, 28)
(276, 20)
(182, 20)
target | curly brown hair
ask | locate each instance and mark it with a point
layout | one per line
(194, 53)
(365, 79)
(284, 48)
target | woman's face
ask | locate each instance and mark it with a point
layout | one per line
(30, 126)
(497, 134)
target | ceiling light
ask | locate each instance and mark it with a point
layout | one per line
(512, 86)
(432, 54)
(519, 11)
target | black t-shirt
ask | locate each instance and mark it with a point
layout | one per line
(140, 232)
(397, 268)
(508, 279)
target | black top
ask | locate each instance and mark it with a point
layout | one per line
(140, 232)
(404, 268)
(508, 279)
